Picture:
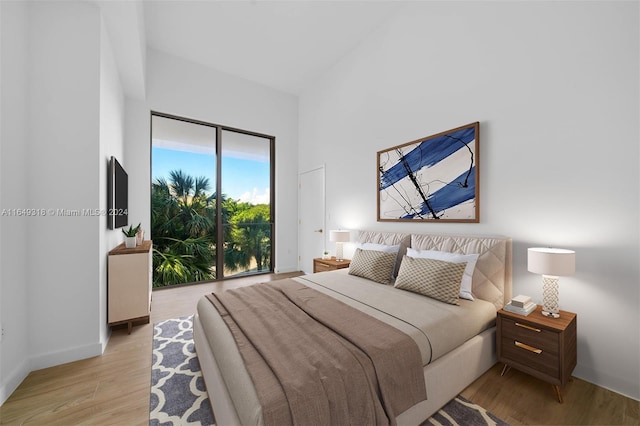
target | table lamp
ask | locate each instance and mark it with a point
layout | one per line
(551, 263)
(339, 237)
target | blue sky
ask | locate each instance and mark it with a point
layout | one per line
(245, 180)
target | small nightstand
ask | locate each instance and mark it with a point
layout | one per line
(543, 347)
(322, 265)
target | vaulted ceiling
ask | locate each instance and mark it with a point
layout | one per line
(285, 45)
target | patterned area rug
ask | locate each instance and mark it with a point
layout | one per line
(178, 393)
(460, 411)
(179, 396)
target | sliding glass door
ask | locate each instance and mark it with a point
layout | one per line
(211, 201)
(247, 217)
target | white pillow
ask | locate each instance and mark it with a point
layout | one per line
(378, 247)
(471, 259)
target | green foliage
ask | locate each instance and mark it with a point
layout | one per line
(183, 262)
(183, 229)
(250, 233)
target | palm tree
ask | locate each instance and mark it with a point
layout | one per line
(183, 229)
(250, 237)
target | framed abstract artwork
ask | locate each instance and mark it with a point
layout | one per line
(435, 178)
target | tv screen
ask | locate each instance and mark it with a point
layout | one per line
(118, 194)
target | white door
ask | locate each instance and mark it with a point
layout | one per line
(311, 215)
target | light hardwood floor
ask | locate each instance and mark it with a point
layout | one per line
(113, 389)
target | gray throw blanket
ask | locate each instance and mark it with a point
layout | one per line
(317, 361)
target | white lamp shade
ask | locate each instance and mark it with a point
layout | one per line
(339, 236)
(551, 261)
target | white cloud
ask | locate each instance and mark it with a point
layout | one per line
(254, 197)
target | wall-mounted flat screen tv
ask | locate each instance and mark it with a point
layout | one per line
(118, 193)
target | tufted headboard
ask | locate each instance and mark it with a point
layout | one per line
(492, 276)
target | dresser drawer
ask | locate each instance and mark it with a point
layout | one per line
(531, 335)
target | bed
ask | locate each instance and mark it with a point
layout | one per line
(456, 345)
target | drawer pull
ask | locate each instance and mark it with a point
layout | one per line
(528, 327)
(529, 348)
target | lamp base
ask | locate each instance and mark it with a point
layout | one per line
(339, 251)
(550, 306)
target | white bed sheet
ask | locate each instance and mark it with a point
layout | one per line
(436, 327)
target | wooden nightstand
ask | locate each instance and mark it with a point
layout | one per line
(322, 265)
(543, 347)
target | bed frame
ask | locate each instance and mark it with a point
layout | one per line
(448, 375)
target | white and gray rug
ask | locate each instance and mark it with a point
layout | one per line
(462, 412)
(179, 396)
(178, 392)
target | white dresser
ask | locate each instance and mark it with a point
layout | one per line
(130, 284)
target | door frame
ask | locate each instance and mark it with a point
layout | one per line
(218, 144)
(322, 169)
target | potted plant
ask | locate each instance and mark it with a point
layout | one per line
(130, 234)
(326, 255)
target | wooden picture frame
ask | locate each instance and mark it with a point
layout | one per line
(434, 179)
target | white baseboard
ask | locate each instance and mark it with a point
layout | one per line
(8, 386)
(286, 269)
(627, 386)
(68, 355)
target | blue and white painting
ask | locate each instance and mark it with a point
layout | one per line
(434, 179)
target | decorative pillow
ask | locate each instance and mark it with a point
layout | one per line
(434, 278)
(387, 249)
(470, 259)
(372, 264)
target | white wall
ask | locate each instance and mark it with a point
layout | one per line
(111, 144)
(62, 107)
(13, 164)
(64, 114)
(555, 88)
(185, 89)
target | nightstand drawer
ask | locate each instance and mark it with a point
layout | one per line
(322, 267)
(530, 334)
(527, 355)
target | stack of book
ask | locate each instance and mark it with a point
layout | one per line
(520, 305)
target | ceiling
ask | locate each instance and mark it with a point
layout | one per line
(285, 45)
